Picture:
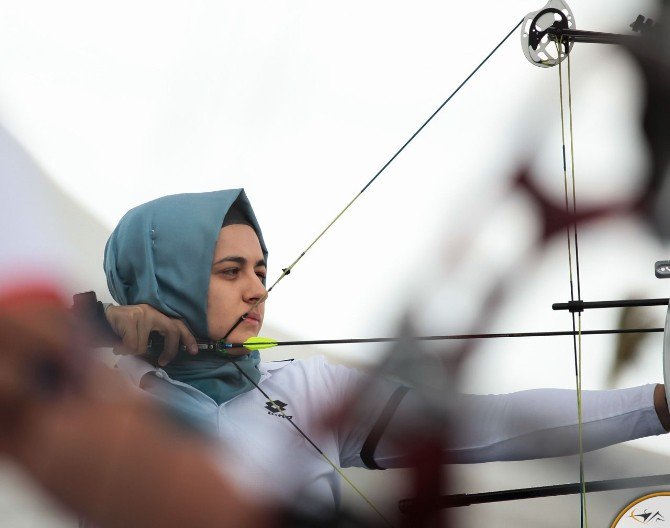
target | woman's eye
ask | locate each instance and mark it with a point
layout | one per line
(230, 272)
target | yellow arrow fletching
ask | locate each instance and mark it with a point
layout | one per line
(259, 343)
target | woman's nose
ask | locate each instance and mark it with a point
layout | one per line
(256, 289)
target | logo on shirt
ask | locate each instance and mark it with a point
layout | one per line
(277, 408)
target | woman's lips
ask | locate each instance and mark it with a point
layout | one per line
(253, 319)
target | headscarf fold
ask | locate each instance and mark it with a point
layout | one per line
(161, 254)
(214, 375)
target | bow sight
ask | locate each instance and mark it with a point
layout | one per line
(547, 35)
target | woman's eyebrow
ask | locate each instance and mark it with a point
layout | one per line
(240, 260)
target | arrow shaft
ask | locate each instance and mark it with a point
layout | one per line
(450, 337)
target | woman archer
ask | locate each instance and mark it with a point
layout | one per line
(192, 264)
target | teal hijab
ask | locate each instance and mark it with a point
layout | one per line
(161, 254)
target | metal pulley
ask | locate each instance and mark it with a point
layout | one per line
(538, 34)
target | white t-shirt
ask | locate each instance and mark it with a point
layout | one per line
(261, 450)
(267, 457)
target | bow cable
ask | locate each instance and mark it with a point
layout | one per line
(555, 24)
(576, 324)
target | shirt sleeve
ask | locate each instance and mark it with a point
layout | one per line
(532, 424)
(365, 400)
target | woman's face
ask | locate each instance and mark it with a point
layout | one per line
(236, 284)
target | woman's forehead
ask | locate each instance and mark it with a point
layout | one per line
(238, 238)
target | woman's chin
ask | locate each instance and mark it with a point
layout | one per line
(236, 337)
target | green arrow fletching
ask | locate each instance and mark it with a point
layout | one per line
(259, 343)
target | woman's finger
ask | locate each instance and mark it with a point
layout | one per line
(186, 337)
(170, 344)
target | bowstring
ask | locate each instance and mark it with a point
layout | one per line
(339, 471)
(287, 270)
(576, 321)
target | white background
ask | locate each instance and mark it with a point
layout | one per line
(301, 102)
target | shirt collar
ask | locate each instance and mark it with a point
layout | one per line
(136, 368)
(267, 367)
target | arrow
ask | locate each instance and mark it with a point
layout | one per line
(261, 343)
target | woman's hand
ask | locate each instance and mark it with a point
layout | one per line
(133, 324)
